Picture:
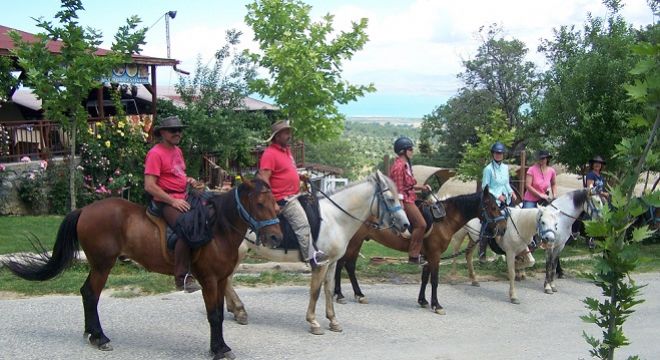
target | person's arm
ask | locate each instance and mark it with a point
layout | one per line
(485, 178)
(553, 185)
(156, 191)
(508, 187)
(264, 174)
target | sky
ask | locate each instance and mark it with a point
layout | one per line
(413, 56)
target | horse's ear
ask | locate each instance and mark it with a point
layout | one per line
(249, 184)
(486, 192)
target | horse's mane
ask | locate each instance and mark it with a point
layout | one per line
(371, 177)
(464, 203)
(579, 197)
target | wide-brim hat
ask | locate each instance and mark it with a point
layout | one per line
(170, 122)
(277, 127)
(597, 159)
(543, 154)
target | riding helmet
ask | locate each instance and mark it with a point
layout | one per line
(498, 147)
(401, 144)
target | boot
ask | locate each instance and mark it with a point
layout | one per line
(483, 247)
(182, 279)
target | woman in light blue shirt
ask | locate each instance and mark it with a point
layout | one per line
(496, 176)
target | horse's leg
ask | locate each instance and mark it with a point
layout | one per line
(350, 269)
(329, 304)
(470, 264)
(511, 267)
(318, 275)
(554, 269)
(549, 271)
(457, 240)
(234, 303)
(421, 299)
(91, 292)
(560, 271)
(434, 269)
(338, 294)
(213, 293)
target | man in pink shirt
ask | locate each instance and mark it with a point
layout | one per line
(278, 168)
(165, 179)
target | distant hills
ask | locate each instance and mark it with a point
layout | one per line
(415, 122)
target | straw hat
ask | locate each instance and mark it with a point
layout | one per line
(170, 122)
(277, 127)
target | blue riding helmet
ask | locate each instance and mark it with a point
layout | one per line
(401, 144)
(498, 147)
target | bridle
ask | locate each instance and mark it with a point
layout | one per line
(254, 224)
(488, 220)
(540, 232)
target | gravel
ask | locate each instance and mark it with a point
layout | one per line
(480, 324)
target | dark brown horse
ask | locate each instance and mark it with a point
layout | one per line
(460, 209)
(112, 227)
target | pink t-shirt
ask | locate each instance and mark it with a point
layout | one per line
(284, 179)
(168, 166)
(540, 181)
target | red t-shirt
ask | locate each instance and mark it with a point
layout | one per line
(401, 174)
(284, 179)
(168, 166)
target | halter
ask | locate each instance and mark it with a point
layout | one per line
(541, 232)
(487, 219)
(254, 224)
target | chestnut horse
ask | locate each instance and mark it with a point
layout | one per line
(459, 209)
(112, 227)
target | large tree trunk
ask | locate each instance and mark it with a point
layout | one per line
(72, 165)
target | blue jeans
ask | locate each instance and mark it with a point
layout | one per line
(529, 204)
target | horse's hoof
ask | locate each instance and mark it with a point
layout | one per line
(105, 347)
(340, 300)
(362, 299)
(554, 288)
(440, 311)
(476, 283)
(316, 330)
(515, 301)
(230, 355)
(86, 335)
(548, 291)
(241, 319)
(336, 328)
(423, 304)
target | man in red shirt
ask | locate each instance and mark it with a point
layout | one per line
(278, 168)
(401, 174)
(165, 179)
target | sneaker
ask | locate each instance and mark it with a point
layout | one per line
(483, 259)
(319, 259)
(417, 260)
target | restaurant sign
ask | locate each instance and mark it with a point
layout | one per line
(129, 74)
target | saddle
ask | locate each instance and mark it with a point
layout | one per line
(166, 235)
(432, 212)
(311, 206)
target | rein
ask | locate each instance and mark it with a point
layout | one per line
(253, 224)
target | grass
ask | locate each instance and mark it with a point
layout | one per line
(129, 280)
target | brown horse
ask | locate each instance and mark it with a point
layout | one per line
(112, 227)
(459, 209)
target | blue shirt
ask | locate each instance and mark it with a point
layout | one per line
(599, 181)
(496, 176)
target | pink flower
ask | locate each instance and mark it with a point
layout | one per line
(117, 172)
(2, 167)
(43, 164)
(26, 159)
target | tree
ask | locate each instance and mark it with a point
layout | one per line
(455, 123)
(476, 156)
(305, 65)
(214, 108)
(501, 69)
(63, 80)
(585, 109)
(612, 272)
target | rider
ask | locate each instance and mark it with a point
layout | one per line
(165, 179)
(540, 178)
(496, 176)
(277, 167)
(595, 177)
(401, 174)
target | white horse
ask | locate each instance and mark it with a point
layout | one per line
(342, 214)
(570, 206)
(521, 227)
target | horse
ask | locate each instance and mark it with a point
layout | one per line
(112, 227)
(342, 213)
(522, 226)
(569, 207)
(459, 210)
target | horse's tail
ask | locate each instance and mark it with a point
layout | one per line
(40, 267)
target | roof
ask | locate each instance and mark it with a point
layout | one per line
(6, 45)
(169, 93)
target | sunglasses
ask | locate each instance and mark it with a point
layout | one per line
(174, 130)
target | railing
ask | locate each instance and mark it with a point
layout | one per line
(34, 139)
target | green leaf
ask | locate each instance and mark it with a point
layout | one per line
(641, 233)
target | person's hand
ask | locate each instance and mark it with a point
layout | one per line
(304, 178)
(501, 198)
(180, 204)
(513, 196)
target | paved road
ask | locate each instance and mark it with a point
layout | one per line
(480, 324)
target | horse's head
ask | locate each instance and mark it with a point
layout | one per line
(547, 224)
(388, 207)
(258, 208)
(491, 215)
(594, 204)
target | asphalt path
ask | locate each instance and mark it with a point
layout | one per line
(480, 324)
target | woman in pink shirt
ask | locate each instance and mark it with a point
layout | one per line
(540, 178)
